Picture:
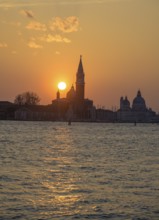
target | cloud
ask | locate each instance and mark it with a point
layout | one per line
(37, 26)
(67, 25)
(3, 45)
(55, 38)
(27, 13)
(33, 44)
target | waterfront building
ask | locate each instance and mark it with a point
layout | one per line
(34, 113)
(137, 113)
(6, 110)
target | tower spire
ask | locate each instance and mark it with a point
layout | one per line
(80, 83)
(80, 70)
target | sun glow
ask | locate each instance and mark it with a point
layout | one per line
(61, 85)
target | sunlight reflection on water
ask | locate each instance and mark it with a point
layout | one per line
(84, 171)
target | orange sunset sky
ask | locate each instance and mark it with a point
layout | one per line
(41, 42)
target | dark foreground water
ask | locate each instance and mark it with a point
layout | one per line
(84, 171)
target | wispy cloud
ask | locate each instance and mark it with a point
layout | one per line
(27, 13)
(67, 25)
(34, 45)
(37, 26)
(3, 45)
(54, 38)
(47, 39)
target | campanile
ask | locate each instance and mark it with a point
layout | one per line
(80, 83)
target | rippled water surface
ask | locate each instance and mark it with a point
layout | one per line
(50, 170)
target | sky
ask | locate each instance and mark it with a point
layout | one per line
(41, 42)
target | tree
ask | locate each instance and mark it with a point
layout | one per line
(27, 98)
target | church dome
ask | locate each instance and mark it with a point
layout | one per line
(71, 93)
(139, 103)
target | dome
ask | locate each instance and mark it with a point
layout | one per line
(139, 99)
(139, 102)
(71, 93)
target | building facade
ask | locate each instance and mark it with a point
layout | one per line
(137, 113)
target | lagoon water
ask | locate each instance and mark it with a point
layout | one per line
(50, 170)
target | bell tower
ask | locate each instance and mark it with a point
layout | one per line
(80, 83)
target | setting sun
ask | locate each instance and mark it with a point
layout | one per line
(62, 85)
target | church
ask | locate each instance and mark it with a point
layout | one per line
(75, 106)
(137, 113)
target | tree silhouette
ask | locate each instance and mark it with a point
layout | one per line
(27, 98)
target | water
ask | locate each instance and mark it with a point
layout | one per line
(50, 170)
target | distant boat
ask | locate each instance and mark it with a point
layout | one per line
(69, 122)
(70, 114)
